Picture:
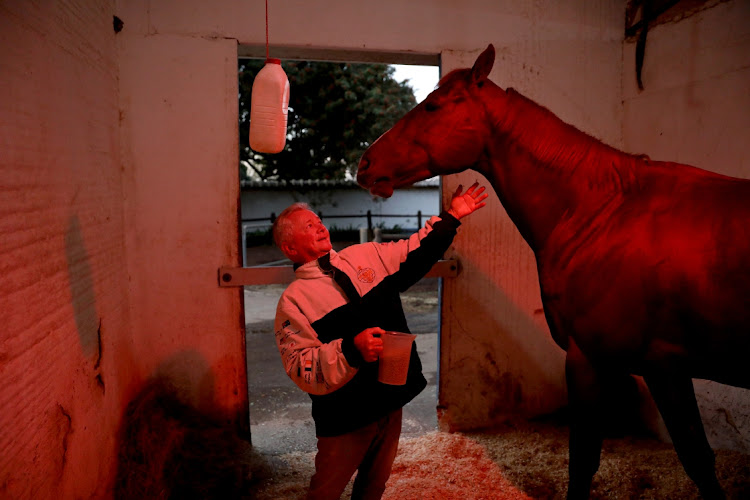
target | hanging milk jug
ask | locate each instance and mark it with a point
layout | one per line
(268, 108)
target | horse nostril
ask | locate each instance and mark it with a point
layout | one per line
(364, 164)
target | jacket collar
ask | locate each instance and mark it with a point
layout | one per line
(316, 268)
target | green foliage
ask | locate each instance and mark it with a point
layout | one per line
(258, 238)
(336, 110)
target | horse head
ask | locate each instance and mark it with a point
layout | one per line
(442, 135)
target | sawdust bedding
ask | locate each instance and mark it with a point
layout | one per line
(521, 461)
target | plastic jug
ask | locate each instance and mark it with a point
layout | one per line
(269, 105)
(393, 365)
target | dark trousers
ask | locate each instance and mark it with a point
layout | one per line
(370, 450)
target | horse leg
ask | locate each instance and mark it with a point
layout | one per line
(675, 397)
(585, 441)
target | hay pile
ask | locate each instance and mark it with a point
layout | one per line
(524, 460)
(169, 450)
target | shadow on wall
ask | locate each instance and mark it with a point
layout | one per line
(80, 278)
(168, 450)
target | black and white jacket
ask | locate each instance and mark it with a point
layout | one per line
(316, 323)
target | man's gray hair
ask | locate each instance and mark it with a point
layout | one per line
(282, 228)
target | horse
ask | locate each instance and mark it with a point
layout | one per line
(643, 265)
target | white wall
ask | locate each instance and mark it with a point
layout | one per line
(350, 200)
(695, 106)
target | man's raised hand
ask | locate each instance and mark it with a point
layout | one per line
(462, 204)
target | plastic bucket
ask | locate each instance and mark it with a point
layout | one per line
(393, 364)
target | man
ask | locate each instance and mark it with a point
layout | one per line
(328, 325)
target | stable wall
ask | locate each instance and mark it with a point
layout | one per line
(67, 361)
(179, 163)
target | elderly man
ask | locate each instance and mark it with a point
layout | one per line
(328, 325)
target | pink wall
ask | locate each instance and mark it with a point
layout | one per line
(66, 356)
(115, 219)
(181, 214)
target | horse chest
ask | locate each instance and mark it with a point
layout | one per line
(598, 298)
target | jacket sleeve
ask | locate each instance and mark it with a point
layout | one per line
(315, 367)
(410, 259)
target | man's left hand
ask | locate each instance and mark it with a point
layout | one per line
(463, 204)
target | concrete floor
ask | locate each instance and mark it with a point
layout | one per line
(280, 420)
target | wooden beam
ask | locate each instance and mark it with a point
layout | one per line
(306, 53)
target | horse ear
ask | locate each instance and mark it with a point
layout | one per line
(483, 64)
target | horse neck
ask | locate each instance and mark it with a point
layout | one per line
(545, 171)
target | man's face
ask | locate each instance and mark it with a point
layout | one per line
(310, 238)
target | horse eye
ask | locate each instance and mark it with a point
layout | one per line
(428, 106)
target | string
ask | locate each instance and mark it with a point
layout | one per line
(266, 29)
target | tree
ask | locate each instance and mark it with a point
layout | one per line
(336, 110)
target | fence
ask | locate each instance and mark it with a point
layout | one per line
(264, 223)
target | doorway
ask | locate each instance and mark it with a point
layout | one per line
(280, 414)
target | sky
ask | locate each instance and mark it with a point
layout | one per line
(421, 78)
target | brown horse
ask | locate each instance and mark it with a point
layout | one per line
(644, 265)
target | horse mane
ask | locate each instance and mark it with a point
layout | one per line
(564, 148)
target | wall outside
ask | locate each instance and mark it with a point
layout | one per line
(340, 201)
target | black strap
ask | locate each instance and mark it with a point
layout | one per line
(341, 278)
